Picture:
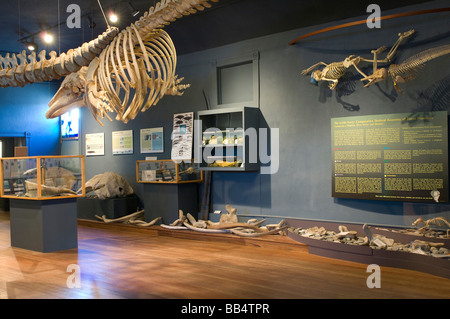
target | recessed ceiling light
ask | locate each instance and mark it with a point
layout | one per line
(48, 38)
(134, 11)
(31, 46)
(113, 18)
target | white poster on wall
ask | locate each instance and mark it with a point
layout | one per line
(182, 136)
(152, 140)
(95, 144)
(122, 142)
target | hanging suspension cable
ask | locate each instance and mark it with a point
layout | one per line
(20, 31)
(106, 20)
(59, 28)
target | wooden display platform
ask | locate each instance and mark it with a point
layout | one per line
(353, 253)
(367, 255)
(262, 241)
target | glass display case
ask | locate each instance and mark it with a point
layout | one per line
(229, 139)
(42, 177)
(168, 171)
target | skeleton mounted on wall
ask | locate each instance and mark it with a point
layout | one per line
(130, 74)
(407, 70)
(334, 71)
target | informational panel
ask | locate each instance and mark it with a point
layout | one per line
(182, 136)
(391, 157)
(95, 144)
(122, 142)
(152, 140)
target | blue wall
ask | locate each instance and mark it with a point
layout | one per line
(302, 186)
(23, 110)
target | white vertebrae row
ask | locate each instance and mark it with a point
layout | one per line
(22, 69)
(135, 72)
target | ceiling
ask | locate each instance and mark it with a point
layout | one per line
(226, 22)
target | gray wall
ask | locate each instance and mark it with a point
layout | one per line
(302, 186)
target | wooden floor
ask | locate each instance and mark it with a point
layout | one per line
(128, 262)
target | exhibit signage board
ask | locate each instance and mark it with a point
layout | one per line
(122, 142)
(152, 140)
(95, 144)
(400, 156)
(182, 136)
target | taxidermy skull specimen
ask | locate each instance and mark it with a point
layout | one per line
(133, 72)
(108, 185)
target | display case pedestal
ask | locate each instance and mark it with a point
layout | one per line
(165, 200)
(44, 225)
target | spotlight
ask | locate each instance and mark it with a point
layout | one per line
(113, 17)
(31, 45)
(48, 38)
(134, 12)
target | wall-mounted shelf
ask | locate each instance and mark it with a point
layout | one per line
(229, 139)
